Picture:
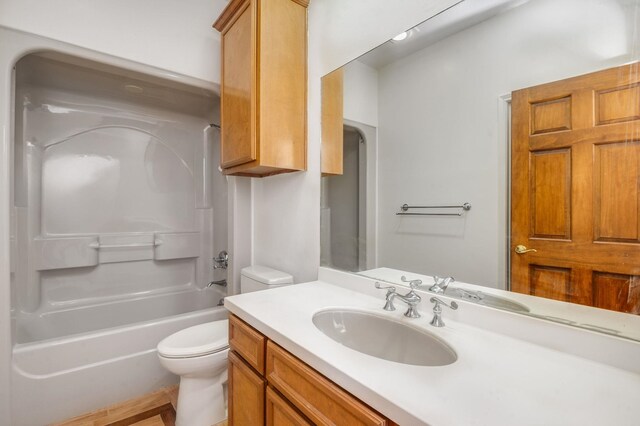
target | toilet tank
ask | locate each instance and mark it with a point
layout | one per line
(255, 278)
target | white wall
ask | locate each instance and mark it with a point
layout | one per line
(170, 34)
(361, 93)
(287, 207)
(439, 135)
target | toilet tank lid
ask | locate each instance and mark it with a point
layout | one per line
(266, 275)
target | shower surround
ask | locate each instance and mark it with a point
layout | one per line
(113, 230)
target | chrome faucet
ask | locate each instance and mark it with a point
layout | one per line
(411, 298)
(440, 284)
(437, 311)
(391, 290)
(222, 283)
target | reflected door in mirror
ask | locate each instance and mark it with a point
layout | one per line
(575, 190)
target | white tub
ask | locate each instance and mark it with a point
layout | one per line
(59, 378)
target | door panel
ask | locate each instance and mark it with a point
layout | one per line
(618, 104)
(551, 194)
(551, 116)
(616, 292)
(576, 189)
(550, 282)
(616, 191)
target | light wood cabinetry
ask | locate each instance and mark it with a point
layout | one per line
(318, 398)
(289, 392)
(248, 343)
(332, 123)
(281, 413)
(246, 393)
(264, 87)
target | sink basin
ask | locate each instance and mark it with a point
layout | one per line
(384, 338)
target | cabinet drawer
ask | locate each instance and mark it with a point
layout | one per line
(247, 342)
(281, 413)
(323, 402)
(246, 394)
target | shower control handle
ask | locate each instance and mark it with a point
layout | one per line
(222, 261)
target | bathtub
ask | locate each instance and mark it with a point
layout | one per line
(62, 377)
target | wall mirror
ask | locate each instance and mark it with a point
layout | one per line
(497, 143)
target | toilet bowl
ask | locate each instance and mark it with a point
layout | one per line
(198, 355)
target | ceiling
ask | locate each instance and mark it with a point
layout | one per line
(457, 18)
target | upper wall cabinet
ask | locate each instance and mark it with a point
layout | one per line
(332, 123)
(264, 87)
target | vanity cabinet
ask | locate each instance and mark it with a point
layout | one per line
(247, 386)
(280, 413)
(263, 87)
(287, 391)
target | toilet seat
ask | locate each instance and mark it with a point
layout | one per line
(199, 340)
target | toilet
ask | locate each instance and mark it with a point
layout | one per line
(198, 355)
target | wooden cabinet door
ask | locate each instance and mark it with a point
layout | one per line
(281, 413)
(246, 394)
(237, 100)
(247, 342)
(333, 123)
(264, 87)
(575, 189)
(319, 399)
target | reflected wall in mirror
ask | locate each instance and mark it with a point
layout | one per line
(529, 111)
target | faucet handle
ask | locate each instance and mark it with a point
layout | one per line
(439, 302)
(437, 311)
(440, 284)
(412, 283)
(387, 287)
(391, 293)
(446, 281)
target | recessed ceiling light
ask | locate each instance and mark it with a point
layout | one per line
(403, 35)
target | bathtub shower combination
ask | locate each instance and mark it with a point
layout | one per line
(118, 212)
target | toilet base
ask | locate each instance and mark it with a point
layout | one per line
(201, 401)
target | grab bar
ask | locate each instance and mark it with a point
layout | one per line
(132, 245)
(464, 207)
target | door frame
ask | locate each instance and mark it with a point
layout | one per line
(504, 191)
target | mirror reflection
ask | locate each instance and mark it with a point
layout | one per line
(496, 143)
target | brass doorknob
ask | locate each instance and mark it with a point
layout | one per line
(520, 249)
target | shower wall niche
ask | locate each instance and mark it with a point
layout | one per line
(113, 201)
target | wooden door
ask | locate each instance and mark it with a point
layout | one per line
(575, 190)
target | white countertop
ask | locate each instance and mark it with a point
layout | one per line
(497, 380)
